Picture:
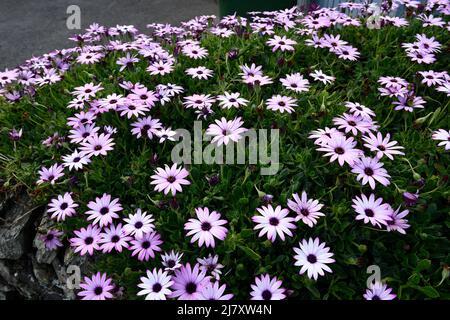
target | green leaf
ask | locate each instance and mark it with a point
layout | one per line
(423, 265)
(429, 291)
(249, 252)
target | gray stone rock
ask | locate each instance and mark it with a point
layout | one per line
(16, 220)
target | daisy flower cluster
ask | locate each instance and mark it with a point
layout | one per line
(189, 232)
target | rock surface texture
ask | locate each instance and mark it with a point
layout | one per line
(27, 269)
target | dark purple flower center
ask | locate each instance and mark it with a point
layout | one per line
(146, 244)
(375, 297)
(98, 291)
(191, 287)
(351, 123)
(88, 240)
(368, 171)
(131, 107)
(88, 90)
(144, 97)
(51, 177)
(171, 179)
(339, 150)
(115, 238)
(206, 226)
(63, 206)
(104, 210)
(50, 237)
(156, 287)
(98, 147)
(369, 212)
(311, 258)
(381, 148)
(281, 103)
(85, 134)
(266, 294)
(76, 159)
(274, 221)
(138, 225)
(232, 100)
(304, 212)
(171, 263)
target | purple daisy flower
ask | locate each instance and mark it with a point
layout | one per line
(273, 222)
(96, 145)
(379, 291)
(206, 227)
(172, 260)
(87, 240)
(103, 210)
(62, 207)
(51, 174)
(146, 246)
(342, 149)
(139, 224)
(313, 257)
(170, 179)
(52, 239)
(370, 170)
(370, 210)
(156, 285)
(308, 210)
(189, 283)
(397, 223)
(98, 287)
(225, 131)
(114, 237)
(266, 288)
(215, 291)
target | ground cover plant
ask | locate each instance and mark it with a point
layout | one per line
(358, 97)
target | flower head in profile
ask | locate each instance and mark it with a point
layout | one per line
(156, 285)
(98, 287)
(313, 257)
(307, 210)
(267, 288)
(51, 174)
(224, 131)
(372, 210)
(273, 222)
(52, 239)
(189, 282)
(61, 207)
(170, 179)
(397, 222)
(103, 210)
(206, 227)
(146, 246)
(379, 291)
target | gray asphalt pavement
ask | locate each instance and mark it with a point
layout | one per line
(35, 27)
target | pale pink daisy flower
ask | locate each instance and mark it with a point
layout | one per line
(114, 237)
(372, 210)
(281, 103)
(139, 224)
(198, 101)
(98, 287)
(170, 179)
(397, 222)
(282, 43)
(266, 288)
(76, 160)
(51, 174)
(160, 68)
(166, 134)
(103, 210)
(172, 260)
(353, 123)
(307, 210)
(133, 108)
(189, 283)
(318, 75)
(146, 127)
(199, 73)
(215, 291)
(370, 170)
(382, 146)
(96, 145)
(409, 103)
(206, 227)
(87, 91)
(324, 136)
(342, 149)
(295, 82)
(82, 132)
(62, 207)
(443, 136)
(231, 100)
(313, 257)
(194, 51)
(379, 291)
(360, 110)
(273, 222)
(224, 131)
(146, 246)
(156, 285)
(81, 118)
(86, 240)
